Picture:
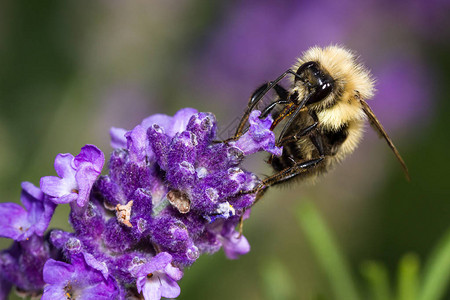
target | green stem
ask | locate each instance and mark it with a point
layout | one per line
(408, 277)
(437, 271)
(327, 253)
(377, 279)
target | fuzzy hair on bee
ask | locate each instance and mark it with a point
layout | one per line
(340, 115)
(323, 114)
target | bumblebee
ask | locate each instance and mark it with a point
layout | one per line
(323, 112)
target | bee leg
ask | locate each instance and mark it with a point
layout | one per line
(292, 109)
(257, 96)
(303, 133)
(317, 142)
(241, 219)
(289, 139)
(286, 174)
(271, 106)
(241, 225)
(282, 93)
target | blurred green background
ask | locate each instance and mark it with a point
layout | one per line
(69, 70)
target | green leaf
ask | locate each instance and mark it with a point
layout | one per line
(437, 271)
(277, 282)
(327, 253)
(408, 277)
(378, 280)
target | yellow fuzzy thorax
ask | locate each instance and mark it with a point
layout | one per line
(351, 79)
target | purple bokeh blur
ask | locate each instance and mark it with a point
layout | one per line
(256, 41)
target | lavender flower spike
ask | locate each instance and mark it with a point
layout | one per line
(78, 174)
(172, 193)
(18, 223)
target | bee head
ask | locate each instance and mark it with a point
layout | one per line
(318, 83)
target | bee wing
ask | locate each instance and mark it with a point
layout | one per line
(376, 125)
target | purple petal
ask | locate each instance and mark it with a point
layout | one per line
(14, 222)
(85, 177)
(158, 262)
(118, 139)
(171, 125)
(162, 120)
(56, 272)
(258, 137)
(169, 288)
(5, 288)
(152, 289)
(180, 120)
(19, 223)
(52, 292)
(64, 166)
(85, 282)
(78, 175)
(57, 187)
(234, 246)
(32, 198)
(40, 209)
(45, 218)
(140, 282)
(89, 163)
(173, 272)
(65, 198)
(30, 194)
(104, 290)
(95, 264)
(90, 154)
(137, 143)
